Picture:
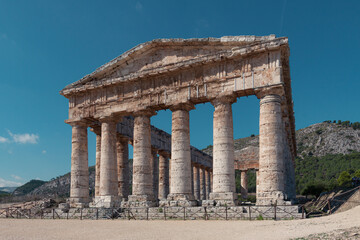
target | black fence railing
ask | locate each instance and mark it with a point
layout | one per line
(250, 212)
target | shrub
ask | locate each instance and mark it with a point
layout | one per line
(357, 173)
(314, 189)
(344, 179)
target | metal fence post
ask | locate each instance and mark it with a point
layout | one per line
(147, 213)
(302, 212)
(97, 213)
(80, 213)
(53, 213)
(206, 216)
(226, 216)
(250, 213)
(165, 213)
(275, 211)
(184, 214)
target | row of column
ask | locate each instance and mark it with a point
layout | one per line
(113, 157)
(202, 182)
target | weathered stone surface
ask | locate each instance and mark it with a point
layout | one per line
(163, 175)
(155, 173)
(97, 165)
(142, 179)
(177, 74)
(202, 184)
(196, 173)
(223, 151)
(79, 189)
(271, 157)
(180, 154)
(207, 183)
(123, 166)
(108, 166)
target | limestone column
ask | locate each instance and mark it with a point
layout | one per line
(97, 131)
(142, 191)
(108, 167)
(79, 186)
(244, 184)
(223, 191)
(289, 175)
(271, 152)
(192, 180)
(211, 183)
(163, 175)
(180, 189)
(123, 166)
(202, 184)
(196, 174)
(169, 176)
(207, 182)
(155, 173)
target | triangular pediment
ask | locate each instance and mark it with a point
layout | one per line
(164, 55)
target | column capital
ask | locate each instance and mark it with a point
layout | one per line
(77, 122)
(96, 129)
(145, 112)
(263, 92)
(154, 150)
(223, 99)
(194, 164)
(122, 138)
(164, 153)
(109, 119)
(182, 106)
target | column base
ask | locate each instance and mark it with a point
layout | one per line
(179, 200)
(106, 202)
(272, 198)
(78, 202)
(140, 201)
(222, 199)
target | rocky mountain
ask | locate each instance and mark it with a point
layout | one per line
(316, 140)
(327, 138)
(60, 186)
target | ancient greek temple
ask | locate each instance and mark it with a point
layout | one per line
(118, 99)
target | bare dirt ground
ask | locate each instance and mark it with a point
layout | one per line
(345, 225)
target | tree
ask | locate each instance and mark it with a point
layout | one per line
(357, 173)
(344, 178)
(314, 189)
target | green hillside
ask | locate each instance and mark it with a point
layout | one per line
(28, 187)
(324, 170)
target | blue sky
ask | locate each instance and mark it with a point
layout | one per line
(45, 45)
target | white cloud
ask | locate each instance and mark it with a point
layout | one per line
(138, 6)
(16, 177)
(24, 138)
(6, 183)
(43, 152)
(3, 140)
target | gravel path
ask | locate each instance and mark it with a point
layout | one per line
(345, 225)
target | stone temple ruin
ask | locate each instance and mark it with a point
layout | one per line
(118, 99)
